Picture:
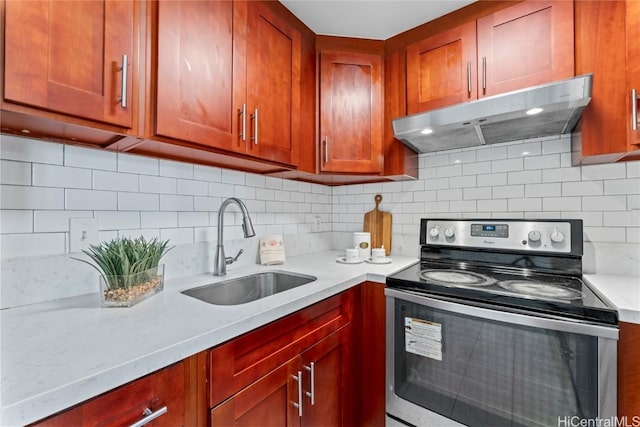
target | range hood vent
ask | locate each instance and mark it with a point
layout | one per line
(498, 118)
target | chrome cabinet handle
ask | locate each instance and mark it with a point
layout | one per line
(484, 74)
(298, 404)
(123, 90)
(634, 109)
(326, 149)
(149, 416)
(312, 394)
(254, 117)
(243, 112)
(469, 77)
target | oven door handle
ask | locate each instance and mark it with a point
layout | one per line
(553, 323)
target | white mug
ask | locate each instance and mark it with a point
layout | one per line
(352, 255)
(378, 254)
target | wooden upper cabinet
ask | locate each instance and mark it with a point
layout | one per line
(633, 71)
(273, 61)
(350, 112)
(528, 44)
(441, 70)
(195, 98)
(66, 57)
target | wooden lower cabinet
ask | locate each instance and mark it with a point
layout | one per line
(629, 371)
(161, 392)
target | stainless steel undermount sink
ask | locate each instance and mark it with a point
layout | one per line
(249, 288)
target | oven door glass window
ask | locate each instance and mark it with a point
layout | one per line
(492, 373)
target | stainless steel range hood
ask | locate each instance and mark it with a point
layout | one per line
(498, 118)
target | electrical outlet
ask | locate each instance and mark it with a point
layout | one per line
(82, 233)
(316, 226)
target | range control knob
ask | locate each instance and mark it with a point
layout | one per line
(534, 236)
(557, 237)
(434, 232)
(449, 233)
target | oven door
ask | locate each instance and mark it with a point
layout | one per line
(451, 363)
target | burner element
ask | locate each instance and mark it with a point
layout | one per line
(541, 289)
(456, 278)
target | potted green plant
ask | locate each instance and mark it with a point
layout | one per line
(130, 269)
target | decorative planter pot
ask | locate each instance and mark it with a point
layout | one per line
(126, 291)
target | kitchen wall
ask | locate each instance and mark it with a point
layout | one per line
(45, 184)
(524, 179)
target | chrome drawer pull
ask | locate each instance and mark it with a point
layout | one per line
(254, 116)
(298, 404)
(312, 371)
(149, 416)
(634, 110)
(469, 77)
(123, 90)
(243, 113)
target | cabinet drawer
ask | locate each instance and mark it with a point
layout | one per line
(238, 363)
(126, 405)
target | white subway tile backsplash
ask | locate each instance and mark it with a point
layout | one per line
(207, 173)
(524, 177)
(158, 219)
(622, 219)
(115, 181)
(436, 184)
(492, 153)
(234, 177)
(206, 204)
(174, 169)
(242, 192)
(556, 145)
(463, 206)
(605, 234)
(425, 196)
(449, 171)
(158, 184)
(462, 181)
(633, 169)
(584, 188)
(476, 168)
(432, 160)
(562, 174)
(499, 205)
(90, 158)
(169, 202)
(604, 203)
(259, 181)
(477, 193)
(526, 204)
(193, 188)
(543, 190)
(276, 183)
(524, 150)
(147, 233)
(453, 194)
(509, 165)
(633, 202)
(608, 171)
(468, 156)
(30, 150)
(137, 164)
(508, 191)
(193, 219)
(220, 190)
(60, 176)
(542, 162)
(622, 186)
(16, 221)
(56, 221)
(32, 244)
(15, 173)
(91, 200)
(22, 197)
(177, 236)
(492, 179)
(138, 202)
(589, 219)
(117, 220)
(562, 204)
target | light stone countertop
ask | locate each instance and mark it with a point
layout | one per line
(60, 353)
(621, 291)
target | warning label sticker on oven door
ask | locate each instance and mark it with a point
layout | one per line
(423, 338)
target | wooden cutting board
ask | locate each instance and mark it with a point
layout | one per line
(378, 223)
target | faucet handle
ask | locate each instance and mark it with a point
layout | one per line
(231, 260)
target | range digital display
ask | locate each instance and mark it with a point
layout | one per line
(490, 230)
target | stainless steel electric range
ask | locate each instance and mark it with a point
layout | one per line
(495, 327)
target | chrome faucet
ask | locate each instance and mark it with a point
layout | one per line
(221, 262)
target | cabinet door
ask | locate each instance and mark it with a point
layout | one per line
(273, 57)
(351, 112)
(525, 45)
(328, 381)
(66, 57)
(441, 70)
(628, 370)
(267, 402)
(195, 99)
(633, 67)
